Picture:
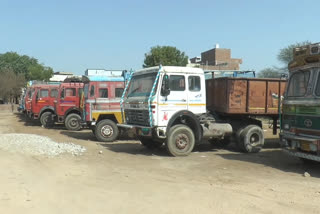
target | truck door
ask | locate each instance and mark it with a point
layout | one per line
(196, 94)
(42, 98)
(67, 99)
(175, 101)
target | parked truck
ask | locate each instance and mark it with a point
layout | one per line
(67, 105)
(300, 127)
(42, 101)
(177, 107)
(101, 104)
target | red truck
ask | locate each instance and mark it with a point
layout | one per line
(42, 102)
(67, 105)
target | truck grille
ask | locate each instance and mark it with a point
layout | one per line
(137, 117)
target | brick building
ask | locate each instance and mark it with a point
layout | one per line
(216, 59)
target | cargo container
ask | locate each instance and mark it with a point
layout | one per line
(258, 96)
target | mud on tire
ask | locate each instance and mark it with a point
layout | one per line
(250, 139)
(180, 140)
(73, 122)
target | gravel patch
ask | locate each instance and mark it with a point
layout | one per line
(37, 145)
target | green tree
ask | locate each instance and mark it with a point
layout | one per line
(11, 84)
(23, 64)
(165, 55)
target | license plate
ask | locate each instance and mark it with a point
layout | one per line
(305, 146)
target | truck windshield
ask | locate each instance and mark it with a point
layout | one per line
(298, 84)
(141, 85)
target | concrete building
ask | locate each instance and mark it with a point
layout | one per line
(216, 59)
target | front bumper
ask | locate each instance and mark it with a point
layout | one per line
(300, 146)
(158, 132)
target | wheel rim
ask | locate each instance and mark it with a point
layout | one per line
(182, 141)
(107, 131)
(73, 123)
(254, 139)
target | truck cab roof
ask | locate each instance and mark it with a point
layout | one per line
(170, 69)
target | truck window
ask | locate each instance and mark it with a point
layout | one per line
(177, 83)
(54, 93)
(44, 93)
(62, 94)
(298, 84)
(119, 92)
(103, 92)
(86, 90)
(92, 91)
(70, 92)
(194, 83)
(32, 92)
(80, 91)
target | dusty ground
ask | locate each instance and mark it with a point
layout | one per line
(127, 178)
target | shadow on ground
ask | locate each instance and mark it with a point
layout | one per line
(23, 118)
(276, 158)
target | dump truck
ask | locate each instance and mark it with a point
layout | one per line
(300, 125)
(177, 107)
(100, 105)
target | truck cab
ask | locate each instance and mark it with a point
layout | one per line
(101, 105)
(42, 104)
(161, 101)
(67, 105)
(300, 127)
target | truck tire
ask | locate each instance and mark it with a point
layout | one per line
(180, 140)
(46, 120)
(106, 131)
(251, 139)
(73, 122)
(150, 143)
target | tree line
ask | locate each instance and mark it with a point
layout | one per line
(16, 70)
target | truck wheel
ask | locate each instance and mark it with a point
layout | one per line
(251, 139)
(46, 120)
(180, 140)
(149, 143)
(106, 131)
(73, 122)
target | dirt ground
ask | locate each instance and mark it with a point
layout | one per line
(128, 178)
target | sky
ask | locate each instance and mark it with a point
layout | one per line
(75, 35)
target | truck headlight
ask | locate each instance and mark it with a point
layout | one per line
(286, 126)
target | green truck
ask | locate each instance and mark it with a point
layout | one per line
(300, 125)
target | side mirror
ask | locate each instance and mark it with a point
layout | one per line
(165, 88)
